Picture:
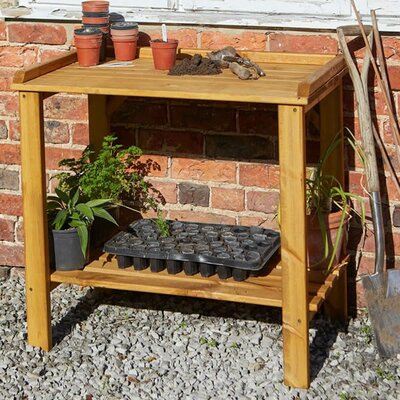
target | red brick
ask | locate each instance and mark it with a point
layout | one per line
(8, 105)
(207, 118)
(14, 130)
(394, 76)
(195, 216)
(6, 230)
(204, 170)
(186, 37)
(227, 199)
(167, 189)
(263, 201)
(355, 181)
(302, 43)
(10, 154)
(160, 164)
(269, 222)
(378, 103)
(391, 46)
(56, 132)
(46, 55)
(142, 112)
(259, 175)
(17, 56)
(10, 204)
(80, 134)
(6, 78)
(12, 255)
(171, 141)
(3, 35)
(55, 154)
(26, 32)
(66, 107)
(361, 302)
(258, 120)
(239, 40)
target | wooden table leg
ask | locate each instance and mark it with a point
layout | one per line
(331, 110)
(37, 273)
(295, 313)
(99, 121)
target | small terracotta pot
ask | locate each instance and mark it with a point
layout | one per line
(125, 48)
(95, 20)
(315, 244)
(95, 6)
(124, 29)
(164, 53)
(88, 43)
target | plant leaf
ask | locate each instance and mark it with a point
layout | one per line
(60, 219)
(62, 195)
(97, 202)
(101, 213)
(85, 210)
(83, 234)
(53, 205)
(75, 197)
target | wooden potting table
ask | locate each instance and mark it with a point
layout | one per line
(295, 83)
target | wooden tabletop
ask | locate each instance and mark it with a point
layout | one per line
(290, 79)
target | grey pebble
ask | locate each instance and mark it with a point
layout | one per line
(143, 346)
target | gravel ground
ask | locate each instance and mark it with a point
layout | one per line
(118, 345)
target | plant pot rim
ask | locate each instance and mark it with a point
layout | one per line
(95, 14)
(124, 25)
(160, 42)
(88, 31)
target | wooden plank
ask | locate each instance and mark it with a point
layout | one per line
(36, 70)
(336, 305)
(99, 122)
(331, 124)
(37, 272)
(293, 246)
(321, 76)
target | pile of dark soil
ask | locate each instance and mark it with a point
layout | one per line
(197, 65)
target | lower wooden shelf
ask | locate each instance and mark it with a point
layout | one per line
(262, 290)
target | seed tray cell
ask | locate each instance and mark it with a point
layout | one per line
(194, 247)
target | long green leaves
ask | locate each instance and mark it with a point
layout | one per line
(66, 210)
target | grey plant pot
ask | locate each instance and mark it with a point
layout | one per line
(67, 250)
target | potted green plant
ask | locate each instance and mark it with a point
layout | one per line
(71, 219)
(113, 173)
(328, 208)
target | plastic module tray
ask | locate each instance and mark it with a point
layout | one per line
(228, 250)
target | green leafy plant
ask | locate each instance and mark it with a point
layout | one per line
(208, 342)
(66, 210)
(383, 374)
(325, 194)
(162, 224)
(113, 173)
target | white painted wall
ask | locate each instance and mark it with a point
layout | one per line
(319, 14)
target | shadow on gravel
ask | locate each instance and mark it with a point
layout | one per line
(321, 344)
(75, 315)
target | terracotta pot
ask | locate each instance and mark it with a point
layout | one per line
(124, 29)
(125, 48)
(95, 6)
(315, 244)
(88, 43)
(95, 20)
(164, 53)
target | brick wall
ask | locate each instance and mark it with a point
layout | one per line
(218, 162)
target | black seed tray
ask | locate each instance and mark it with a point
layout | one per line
(194, 247)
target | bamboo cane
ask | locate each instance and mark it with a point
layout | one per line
(392, 119)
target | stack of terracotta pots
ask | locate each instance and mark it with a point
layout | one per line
(88, 42)
(124, 36)
(95, 21)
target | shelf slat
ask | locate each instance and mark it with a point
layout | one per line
(263, 290)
